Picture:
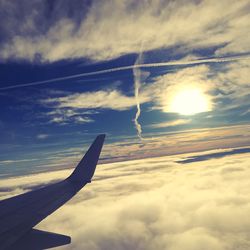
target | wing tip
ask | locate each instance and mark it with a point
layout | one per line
(84, 171)
(102, 136)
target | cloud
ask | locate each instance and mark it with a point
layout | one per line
(216, 85)
(78, 107)
(27, 183)
(156, 203)
(165, 87)
(170, 123)
(246, 112)
(104, 99)
(16, 161)
(171, 143)
(123, 148)
(42, 136)
(90, 29)
(224, 87)
(67, 115)
(83, 120)
(186, 61)
(232, 83)
(233, 79)
(218, 154)
(62, 120)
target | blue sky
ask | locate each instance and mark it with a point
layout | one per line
(165, 58)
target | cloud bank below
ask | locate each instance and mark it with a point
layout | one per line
(158, 204)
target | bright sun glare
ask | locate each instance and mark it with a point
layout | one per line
(189, 102)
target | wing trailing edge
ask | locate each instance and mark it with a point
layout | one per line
(38, 240)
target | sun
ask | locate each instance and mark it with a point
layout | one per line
(189, 102)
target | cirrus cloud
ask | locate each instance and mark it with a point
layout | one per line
(91, 29)
(170, 123)
(102, 99)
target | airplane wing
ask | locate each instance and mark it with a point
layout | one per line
(19, 214)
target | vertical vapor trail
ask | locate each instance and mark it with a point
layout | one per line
(137, 84)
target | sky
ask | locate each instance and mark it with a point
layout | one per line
(158, 77)
(167, 81)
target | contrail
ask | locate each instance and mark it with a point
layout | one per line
(135, 66)
(137, 80)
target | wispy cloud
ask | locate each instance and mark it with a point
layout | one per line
(216, 85)
(17, 161)
(164, 88)
(67, 115)
(170, 123)
(79, 107)
(229, 83)
(71, 31)
(42, 136)
(104, 99)
(81, 120)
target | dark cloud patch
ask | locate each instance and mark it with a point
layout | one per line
(22, 18)
(206, 157)
(6, 189)
(111, 157)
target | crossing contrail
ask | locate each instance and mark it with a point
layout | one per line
(134, 66)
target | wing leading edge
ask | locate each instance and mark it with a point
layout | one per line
(19, 214)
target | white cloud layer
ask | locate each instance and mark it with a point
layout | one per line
(61, 30)
(157, 204)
